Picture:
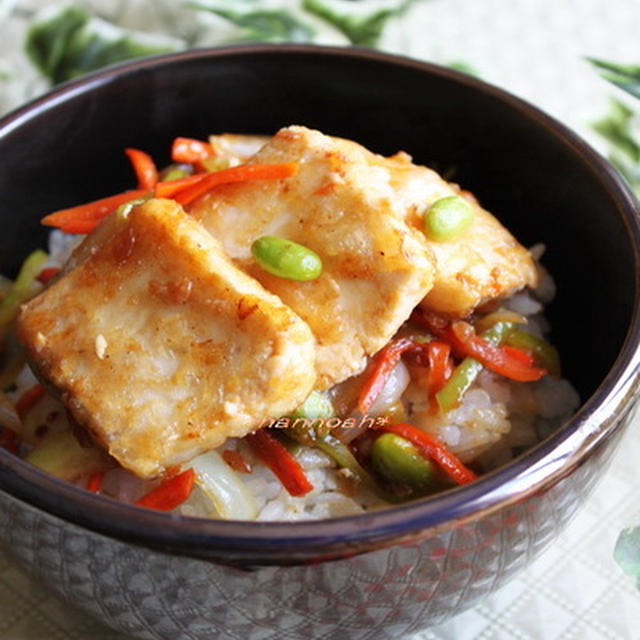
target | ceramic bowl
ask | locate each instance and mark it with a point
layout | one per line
(381, 574)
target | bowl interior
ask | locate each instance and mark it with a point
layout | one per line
(540, 181)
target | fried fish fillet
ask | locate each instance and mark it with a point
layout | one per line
(344, 205)
(482, 264)
(363, 214)
(236, 148)
(160, 347)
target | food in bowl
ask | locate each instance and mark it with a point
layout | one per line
(283, 328)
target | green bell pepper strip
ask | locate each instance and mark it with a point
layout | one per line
(467, 371)
(318, 406)
(501, 333)
(19, 292)
(546, 354)
(344, 458)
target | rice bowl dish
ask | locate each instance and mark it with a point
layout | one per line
(404, 567)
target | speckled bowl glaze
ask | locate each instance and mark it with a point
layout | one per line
(377, 575)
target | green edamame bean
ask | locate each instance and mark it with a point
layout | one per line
(447, 218)
(399, 461)
(286, 259)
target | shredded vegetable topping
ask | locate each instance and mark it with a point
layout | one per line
(414, 397)
(383, 365)
(281, 462)
(29, 398)
(144, 168)
(465, 343)
(434, 450)
(84, 218)
(94, 484)
(47, 274)
(221, 484)
(171, 493)
(242, 173)
(190, 151)
(20, 289)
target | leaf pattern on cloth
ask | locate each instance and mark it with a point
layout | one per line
(627, 552)
(65, 40)
(71, 43)
(261, 25)
(361, 28)
(627, 77)
(620, 127)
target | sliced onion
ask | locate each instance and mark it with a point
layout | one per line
(224, 488)
(61, 455)
(349, 434)
(393, 388)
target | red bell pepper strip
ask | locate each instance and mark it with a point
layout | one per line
(386, 359)
(440, 369)
(94, 483)
(80, 227)
(242, 173)
(465, 343)
(430, 448)
(144, 168)
(28, 399)
(169, 188)
(171, 493)
(497, 359)
(544, 353)
(84, 217)
(519, 354)
(47, 274)
(464, 375)
(191, 150)
(383, 364)
(90, 212)
(275, 455)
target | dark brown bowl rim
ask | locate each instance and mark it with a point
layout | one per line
(540, 467)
